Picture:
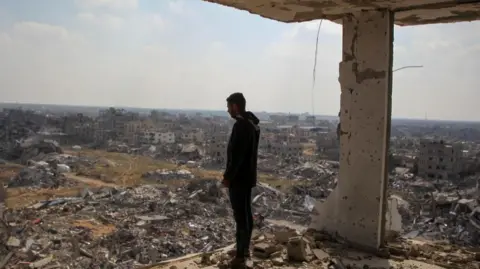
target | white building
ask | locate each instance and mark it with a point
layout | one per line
(157, 137)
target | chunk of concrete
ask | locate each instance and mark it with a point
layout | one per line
(264, 250)
(282, 236)
(296, 249)
(320, 254)
(13, 242)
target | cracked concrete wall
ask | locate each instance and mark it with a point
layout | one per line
(356, 209)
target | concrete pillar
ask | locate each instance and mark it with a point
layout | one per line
(356, 208)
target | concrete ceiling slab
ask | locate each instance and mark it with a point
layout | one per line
(407, 12)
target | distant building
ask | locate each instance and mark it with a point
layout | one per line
(193, 135)
(439, 160)
(217, 147)
(310, 119)
(157, 137)
(133, 128)
(284, 149)
(293, 119)
(112, 122)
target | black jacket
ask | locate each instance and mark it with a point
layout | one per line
(242, 152)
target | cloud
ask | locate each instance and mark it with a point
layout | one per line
(176, 6)
(104, 20)
(327, 27)
(41, 35)
(110, 4)
(146, 58)
(181, 7)
(42, 62)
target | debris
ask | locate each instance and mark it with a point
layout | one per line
(263, 250)
(40, 177)
(296, 249)
(41, 263)
(284, 234)
(5, 260)
(163, 174)
(13, 242)
(320, 254)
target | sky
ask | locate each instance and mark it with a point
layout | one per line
(193, 54)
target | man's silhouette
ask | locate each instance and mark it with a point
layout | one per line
(241, 173)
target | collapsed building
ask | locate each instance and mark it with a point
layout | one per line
(439, 159)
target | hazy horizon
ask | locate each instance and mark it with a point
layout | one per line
(223, 112)
(192, 54)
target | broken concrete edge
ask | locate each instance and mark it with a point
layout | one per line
(417, 14)
(186, 257)
(335, 237)
(393, 223)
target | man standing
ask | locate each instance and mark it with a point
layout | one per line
(241, 173)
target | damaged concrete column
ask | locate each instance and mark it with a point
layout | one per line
(355, 210)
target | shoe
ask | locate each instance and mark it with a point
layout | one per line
(238, 263)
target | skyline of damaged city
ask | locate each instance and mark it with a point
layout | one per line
(93, 110)
(124, 176)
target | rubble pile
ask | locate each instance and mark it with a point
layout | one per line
(33, 148)
(139, 225)
(74, 163)
(438, 210)
(147, 224)
(310, 170)
(273, 204)
(319, 188)
(14, 130)
(284, 247)
(39, 177)
(443, 217)
(164, 174)
(114, 146)
(297, 169)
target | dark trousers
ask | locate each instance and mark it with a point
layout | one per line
(241, 200)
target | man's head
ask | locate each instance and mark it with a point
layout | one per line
(236, 104)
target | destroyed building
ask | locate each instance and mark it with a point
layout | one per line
(135, 129)
(111, 123)
(193, 135)
(438, 159)
(155, 137)
(216, 147)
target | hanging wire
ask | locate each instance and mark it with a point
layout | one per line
(314, 72)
